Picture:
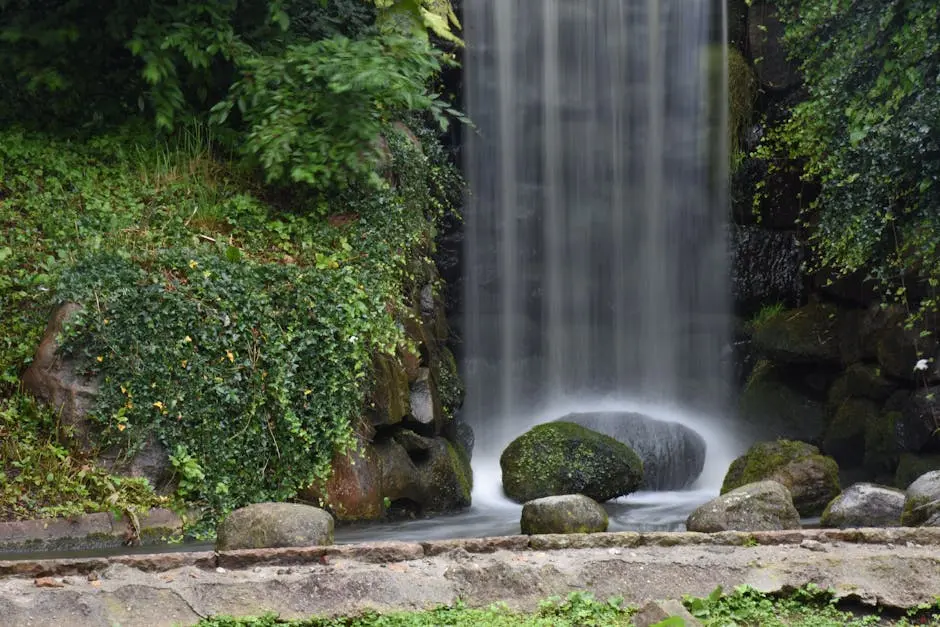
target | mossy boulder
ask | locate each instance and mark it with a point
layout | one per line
(390, 400)
(922, 500)
(275, 525)
(845, 435)
(864, 505)
(811, 478)
(760, 506)
(774, 404)
(912, 466)
(569, 513)
(815, 333)
(861, 381)
(354, 490)
(918, 426)
(559, 458)
(881, 444)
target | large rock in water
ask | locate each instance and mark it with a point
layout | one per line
(761, 506)
(275, 525)
(565, 458)
(811, 478)
(673, 455)
(865, 505)
(570, 513)
(922, 501)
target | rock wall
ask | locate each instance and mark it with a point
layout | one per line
(819, 360)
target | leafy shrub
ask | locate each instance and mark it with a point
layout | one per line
(41, 477)
(869, 131)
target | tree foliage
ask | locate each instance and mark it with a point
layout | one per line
(869, 132)
(313, 80)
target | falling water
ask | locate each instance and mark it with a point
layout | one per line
(595, 259)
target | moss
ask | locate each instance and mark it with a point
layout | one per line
(391, 395)
(845, 436)
(449, 386)
(805, 335)
(742, 95)
(462, 470)
(566, 458)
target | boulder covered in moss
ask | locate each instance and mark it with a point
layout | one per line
(922, 500)
(845, 435)
(275, 525)
(814, 333)
(759, 506)
(918, 426)
(773, 404)
(559, 458)
(811, 478)
(864, 505)
(568, 513)
(861, 381)
(881, 444)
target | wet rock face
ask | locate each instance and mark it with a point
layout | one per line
(559, 458)
(811, 478)
(765, 35)
(673, 455)
(274, 525)
(569, 513)
(765, 268)
(865, 505)
(761, 506)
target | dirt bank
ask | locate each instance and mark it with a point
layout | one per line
(890, 567)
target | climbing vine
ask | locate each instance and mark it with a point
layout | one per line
(869, 132)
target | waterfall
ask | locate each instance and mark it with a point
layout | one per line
(595, 261)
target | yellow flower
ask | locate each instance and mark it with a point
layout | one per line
(187, 339)
(193, 263)
(184, 362)
(158, 405)
(230, 356)
(121, 427)
(99, 358)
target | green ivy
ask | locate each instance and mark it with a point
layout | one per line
(869, 132)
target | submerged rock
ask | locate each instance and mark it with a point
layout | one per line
(673, 455)
(569, 513)
(922, 500)
(760, 506)
(565, 458)
(811, 478)
(274, 525)
(865, 505)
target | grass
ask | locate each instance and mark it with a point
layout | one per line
(766, 314)
(809, 606)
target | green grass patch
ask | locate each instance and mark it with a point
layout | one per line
(809, 606)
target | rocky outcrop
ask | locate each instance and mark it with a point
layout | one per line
(811, 478)
(922, 500)
(864, 505)
(776, 70)
(565, 458)
(273, 525)
(673, 455)
(569, 513)
(816, 333)
(777, 406)
(760, 506)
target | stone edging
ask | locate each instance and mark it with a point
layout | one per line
(389, 552)
(89, 531)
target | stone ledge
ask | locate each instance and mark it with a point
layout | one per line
(86, 532)
(396, 552)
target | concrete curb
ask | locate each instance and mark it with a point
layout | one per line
(392, 552)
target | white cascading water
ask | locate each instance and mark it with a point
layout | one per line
(595, 261)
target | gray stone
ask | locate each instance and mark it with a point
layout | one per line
(273, 525)
(422, 400)
(761, 506)
(865, 505)
(569, 513)
(673, 455)
(922, 500)
(918, 425)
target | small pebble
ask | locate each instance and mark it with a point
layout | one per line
(615, 551)
(220, 570)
